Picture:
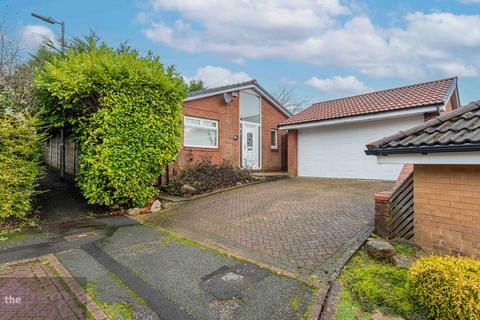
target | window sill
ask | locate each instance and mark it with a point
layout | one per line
(201, 149)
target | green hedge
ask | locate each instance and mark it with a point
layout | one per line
(447, 287)
(20, 156)
(125, 111)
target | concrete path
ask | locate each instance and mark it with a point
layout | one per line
(135, 271)
(300, 225)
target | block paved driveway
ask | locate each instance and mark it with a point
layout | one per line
(300, 225)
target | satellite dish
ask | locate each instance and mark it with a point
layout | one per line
(227, 96)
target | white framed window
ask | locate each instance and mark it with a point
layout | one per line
(200, 133)
(274, 139)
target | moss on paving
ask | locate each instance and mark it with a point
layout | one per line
(13, 235)
(370, 285)
(121, 311)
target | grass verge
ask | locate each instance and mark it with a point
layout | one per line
(370, 285)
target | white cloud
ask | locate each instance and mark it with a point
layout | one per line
(338, 85)
(325, 33)
(214, 76)
(470, 1)
(34, 35)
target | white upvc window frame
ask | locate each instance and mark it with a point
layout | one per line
(202, 127)
(274, 147)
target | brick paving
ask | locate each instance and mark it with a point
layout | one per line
(41, 288)
(295, 224)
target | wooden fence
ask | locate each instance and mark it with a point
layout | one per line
(401, 211)
(51, 155)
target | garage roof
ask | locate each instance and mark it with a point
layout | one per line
(458, 130)
(418, 95)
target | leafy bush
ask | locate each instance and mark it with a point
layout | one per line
(378, 285)
(20, 156)
(447, 287)
(125, 111)
(206, 177)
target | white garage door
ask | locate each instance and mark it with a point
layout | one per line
(338, 151)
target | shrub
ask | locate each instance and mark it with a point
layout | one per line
(125, 111)
(447, 287)
(20, 156)
(206, 177)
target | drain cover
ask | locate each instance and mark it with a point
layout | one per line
(232, 277)
(229, 282)
(80, 236)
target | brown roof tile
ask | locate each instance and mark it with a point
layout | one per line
(417, 95)
(460, 127)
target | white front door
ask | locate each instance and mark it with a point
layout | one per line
(250, 146)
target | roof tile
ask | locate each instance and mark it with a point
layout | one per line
(458, 127)
(417, 95)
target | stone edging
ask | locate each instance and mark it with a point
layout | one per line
(184, 199)
(327, 305)
(70, 282)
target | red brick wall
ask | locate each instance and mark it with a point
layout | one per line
(447, 208)
(292, 151)
(214, 108)
(271, 117)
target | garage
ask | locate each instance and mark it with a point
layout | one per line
(328, 138)
(337, 152)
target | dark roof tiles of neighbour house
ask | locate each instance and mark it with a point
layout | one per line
(458, 130)
(212, 91)
(417, 95)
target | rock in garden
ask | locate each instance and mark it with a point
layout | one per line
(402, 261)
(380, 249)
(156, 206)
(188, 189)
(134, 211)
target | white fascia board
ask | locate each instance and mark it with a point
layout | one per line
(363, 118)
(250, 86)
(432, 158)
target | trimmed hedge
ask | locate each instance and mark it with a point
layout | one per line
(447, 287)
(125, 111)
(20, 158)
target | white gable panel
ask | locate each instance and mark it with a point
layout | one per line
(338, 151)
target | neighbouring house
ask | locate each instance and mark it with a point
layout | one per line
(445, 153)
(327, 139)
(236, 123)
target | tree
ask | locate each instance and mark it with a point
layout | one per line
(21, 140)
(196, 85)
(125, 112)
(290, 100)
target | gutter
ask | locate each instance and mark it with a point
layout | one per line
(424, 150)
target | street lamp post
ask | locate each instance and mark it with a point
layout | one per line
(62, 130)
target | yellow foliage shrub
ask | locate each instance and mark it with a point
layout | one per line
(447, 287)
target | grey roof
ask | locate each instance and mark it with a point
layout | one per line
(458, 130)
(232, 87)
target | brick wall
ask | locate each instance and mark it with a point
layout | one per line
(447, 208)
(228, 117)
(292, 151)
(271, 117)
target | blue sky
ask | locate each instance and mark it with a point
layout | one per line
(321, 49)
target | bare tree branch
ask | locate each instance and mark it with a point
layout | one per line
(290, 99)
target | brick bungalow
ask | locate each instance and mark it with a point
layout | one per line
(327, 139)
(445, 152)
(237, 123)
